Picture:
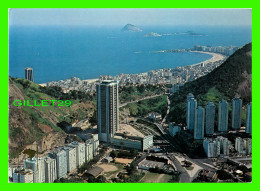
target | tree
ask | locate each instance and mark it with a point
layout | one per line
(187, 163)
(101, 179)
(224, 175)
(113, 154)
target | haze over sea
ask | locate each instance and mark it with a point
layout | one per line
(60, 52)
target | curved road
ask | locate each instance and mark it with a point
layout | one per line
(149, 97)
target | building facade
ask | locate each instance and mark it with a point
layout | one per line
(60, 156)
(199, 123)
(23, 176)
(249, 119)
(89, 149)
(50, 170)
(223, 116)
(243, 146)
(216, 147)
(107, 109)
(71, 158)
(236, 113)
(210, 118)
(147, 142)
(174, 129)
(80, 152)
(29, 74)
(138, 143)
(37, 165)
(191, 112)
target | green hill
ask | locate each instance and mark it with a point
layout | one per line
(28, 125)
(230, 79)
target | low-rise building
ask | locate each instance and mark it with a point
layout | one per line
(174, 129)
(139, 143)
(23, 176)
(155, 116)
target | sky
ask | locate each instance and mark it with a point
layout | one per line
(139, 17)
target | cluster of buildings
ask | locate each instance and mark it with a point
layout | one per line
(108, 120)
(243, 146)
(216, 147)
(75, 84)
(201, 122)
(57, 163)
(176, 76)
(217, 49)
(63, 160)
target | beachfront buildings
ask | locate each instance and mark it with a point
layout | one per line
(223, 116)
(210, 118)
(191, 111)
(107, 109)
(249, 119)
(199, 123)
(236, 113)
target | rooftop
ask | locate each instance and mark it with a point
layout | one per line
(151, 164)
(129, 130)
(95, 171)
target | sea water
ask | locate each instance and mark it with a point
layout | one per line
(61, 52)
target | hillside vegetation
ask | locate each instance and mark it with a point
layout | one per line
(28, 124)
(132, 93)
(142, 108)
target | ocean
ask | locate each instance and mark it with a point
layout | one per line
(61, 52)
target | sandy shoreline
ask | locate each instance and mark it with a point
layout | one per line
(215, 57)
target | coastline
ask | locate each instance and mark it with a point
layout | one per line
(215, 57)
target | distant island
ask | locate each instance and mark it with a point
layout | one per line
(189, 33)
(130, 28)
(192, 33)
(152, 34)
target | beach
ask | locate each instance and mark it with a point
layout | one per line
(215, 57)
